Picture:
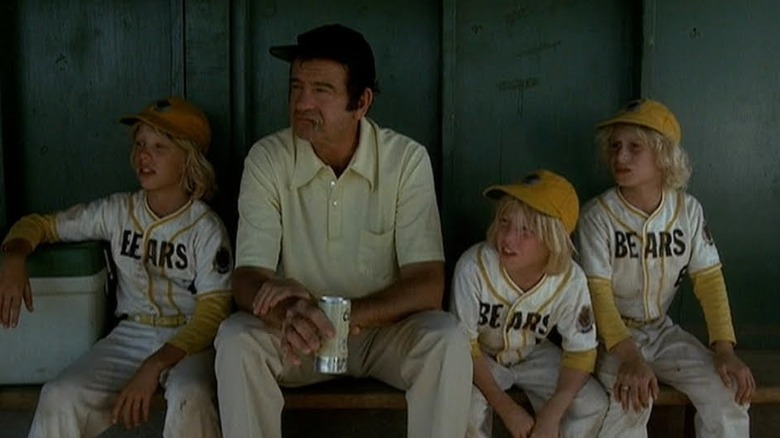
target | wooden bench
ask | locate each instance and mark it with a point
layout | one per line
(351, 393)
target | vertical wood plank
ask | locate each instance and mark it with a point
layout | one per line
(207, 75)
(715, 65)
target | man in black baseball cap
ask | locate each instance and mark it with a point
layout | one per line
(336, 205)
(341, 44)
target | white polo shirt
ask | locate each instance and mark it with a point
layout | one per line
(346, 236)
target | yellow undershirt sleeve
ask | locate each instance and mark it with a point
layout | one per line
(199, 333)
(475, 350)
(609, 325)
(710, 289)
(580, 360)
(35, 229)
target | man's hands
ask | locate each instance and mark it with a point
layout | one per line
(734, 372)
(14, 288)
(303, 324)
(303, 328)
(275, 290)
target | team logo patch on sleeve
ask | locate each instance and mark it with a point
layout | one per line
(222, 261)
(585, 320)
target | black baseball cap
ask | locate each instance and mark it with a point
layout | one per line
(338, 43)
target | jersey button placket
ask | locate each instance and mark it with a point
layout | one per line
(514, 349)
(646, 279)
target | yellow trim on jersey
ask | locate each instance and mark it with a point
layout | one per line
(709, 287)
(187, 228)
(561, 286)
(173, 239)
(524, 334)
(486, 277)
(668, 228)
(34, 229)
(646, 271)
(170, 217)
(476, 351)
(642, 234)
(145, 245)
(159, 321)
(627, 205)
(611, 328)
(133, 218)
(580, 360)
(144, 254)
(677, 210)
(149, 276)
(149, 282)
(199, 333)
(520, 293)
(615, 217)
(169, 295)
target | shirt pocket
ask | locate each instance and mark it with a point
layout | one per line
(376, 256)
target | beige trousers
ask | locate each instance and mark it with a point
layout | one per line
(537, 376)
(681, 361)
(78, 402)
(426, 354)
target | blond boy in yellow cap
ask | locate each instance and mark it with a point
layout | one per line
(637, 242)
(173, 260)
(510, 292)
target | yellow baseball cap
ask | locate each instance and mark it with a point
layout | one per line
(546, 192)
(177, 117)
(648, 113)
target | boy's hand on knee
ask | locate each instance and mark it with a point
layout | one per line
(636, 385)
(545, 428)
(14, 289)
(132, 405)
(734, 372)
(517, 421)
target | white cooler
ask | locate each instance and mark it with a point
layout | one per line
(69, 284)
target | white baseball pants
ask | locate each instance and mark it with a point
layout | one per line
(78, 402)
(537, 376)
(680, 360)
(426, 354)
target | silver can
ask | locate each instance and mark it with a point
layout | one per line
(332, 355)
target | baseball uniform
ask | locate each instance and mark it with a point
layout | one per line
(165, 267)
(510, 327)
(640, 260)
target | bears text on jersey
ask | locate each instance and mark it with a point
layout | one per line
(658, 244)
(492, 315)
(160, 253)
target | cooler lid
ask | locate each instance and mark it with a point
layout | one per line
(66, 259)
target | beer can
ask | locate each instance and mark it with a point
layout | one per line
(332, 355)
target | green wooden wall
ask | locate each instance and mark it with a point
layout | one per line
(527, 82)
(717, 64)
(493, 88)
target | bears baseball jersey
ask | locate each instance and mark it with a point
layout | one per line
(644, 257)
(508, 322)
(162, 263)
